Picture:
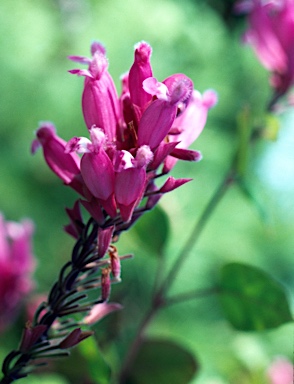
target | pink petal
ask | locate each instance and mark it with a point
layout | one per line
(180, 88)
(172, 183)
(162, 151)
(100, 105)
(129, 188)
(81, 72)
(65, 165)
(104, 240)
(96, 46)
(140, 70)
(4, 248)
(98, 174)
(155, 88)
(101, 310)
(94, 208)
(186, 154)
(156, 122)
(80, 59)
(129, 184)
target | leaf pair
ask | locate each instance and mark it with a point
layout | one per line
(251, 299)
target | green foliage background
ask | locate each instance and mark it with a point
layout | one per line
(203, 42)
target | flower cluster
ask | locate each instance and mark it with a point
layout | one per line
(16, 266)
(134, 139)
(150, 125)
(271, 32)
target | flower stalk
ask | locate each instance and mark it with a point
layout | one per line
(160, 299)
(134, 139)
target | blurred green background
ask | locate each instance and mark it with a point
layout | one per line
(202, 39)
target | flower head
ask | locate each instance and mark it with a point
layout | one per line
(271, 33)
(280, 371)
(16, 266)
(150, 125)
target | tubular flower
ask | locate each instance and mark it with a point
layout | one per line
(149, 126)
(271, 33)
(16, 266)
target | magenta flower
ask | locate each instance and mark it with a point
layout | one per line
(99, 311)
(280, 371)
(100, 111)
(271, 33)
(16, 266)
(150, 125)
(65, 166)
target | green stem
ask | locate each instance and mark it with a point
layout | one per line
(195, 294)
(159, 300)
(198, 229)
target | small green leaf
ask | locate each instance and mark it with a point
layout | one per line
(98, 369)
(272, 127)
(153, 230)
(251, 299)
(44, 379)
(164, 362)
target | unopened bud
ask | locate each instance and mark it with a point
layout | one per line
(115, 263)
(105, 284)
(75, 337)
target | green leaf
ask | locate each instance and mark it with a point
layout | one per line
(98, 369)
(44, 379)
(153, 230)
(251, 299)
(164, 362)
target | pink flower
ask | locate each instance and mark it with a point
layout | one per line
(190, 125)
(271, 33)
(16, 266)
(150, 125)
(74, 338)
(75, 227)
(280, 371)
(99, 311)
(30, 336)
(140, 70)
(99, 100)
(65, 165)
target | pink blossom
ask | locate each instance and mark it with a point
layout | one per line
(271, 33)
(115, 263)
(149, 126)
(74, 338)
(65, 165)
(105, 284)
(99, 311)
(190, 125)
(280, 371)
(16, 266)
(140, 70)
(30, 336)
(99, 100)
(75, 227)
(104, 240)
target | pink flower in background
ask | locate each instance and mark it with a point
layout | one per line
(99, 311)
(149, 126)
(281, 371)
(16, 266)
(271, 33)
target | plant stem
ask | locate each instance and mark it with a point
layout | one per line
(195, 294)
(159, 300)
(197, 230)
